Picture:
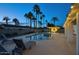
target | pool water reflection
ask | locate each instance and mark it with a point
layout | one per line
(38, 37)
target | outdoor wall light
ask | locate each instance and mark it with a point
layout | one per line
(72, 7)
(54, 29)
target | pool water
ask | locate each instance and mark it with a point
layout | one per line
(40, 36)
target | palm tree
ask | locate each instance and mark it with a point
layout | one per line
(29, 16)
(50, 25)
(15, 20)
(26, 16)
(40, 13)
(46, 23)
(36, 9)
(54, 19)
(34, 19)
(6, 19)
(42, 18)
(40, 23)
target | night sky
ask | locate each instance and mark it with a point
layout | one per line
(50, 10)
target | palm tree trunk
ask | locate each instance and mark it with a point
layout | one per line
(41, 25)
(42, 22)
(54, 22)
(6, 22)
(36, 20)
(34, 23)
(46, 24)
(30, 23)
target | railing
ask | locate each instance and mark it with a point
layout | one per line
(12, 23)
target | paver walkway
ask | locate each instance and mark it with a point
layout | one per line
(56, 45)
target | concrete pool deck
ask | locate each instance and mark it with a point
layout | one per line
(56, 45)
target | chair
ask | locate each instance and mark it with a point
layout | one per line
(19, 44)
(19, 47)
(17, 51)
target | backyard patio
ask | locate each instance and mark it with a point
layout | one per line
(56, 45)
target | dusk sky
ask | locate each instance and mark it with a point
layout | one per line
(50, 10)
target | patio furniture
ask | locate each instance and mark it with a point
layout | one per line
(3, 38)
(3, 51)
(17, 51)
(21, 46)
(19, 43)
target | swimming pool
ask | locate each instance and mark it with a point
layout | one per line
(34, 37)
(38, 36)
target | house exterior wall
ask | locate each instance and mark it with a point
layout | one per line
(71, 30)
(77, 40)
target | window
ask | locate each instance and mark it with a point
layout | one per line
(74, 22)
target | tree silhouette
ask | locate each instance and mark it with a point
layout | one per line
(50, 25)
(26, 16)
(6, 19)
(29, 16)
(34, 19)
(36, 9)
(15, 20)
(42, 18)
(40, 23)
(54, 19)
(46, 23)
